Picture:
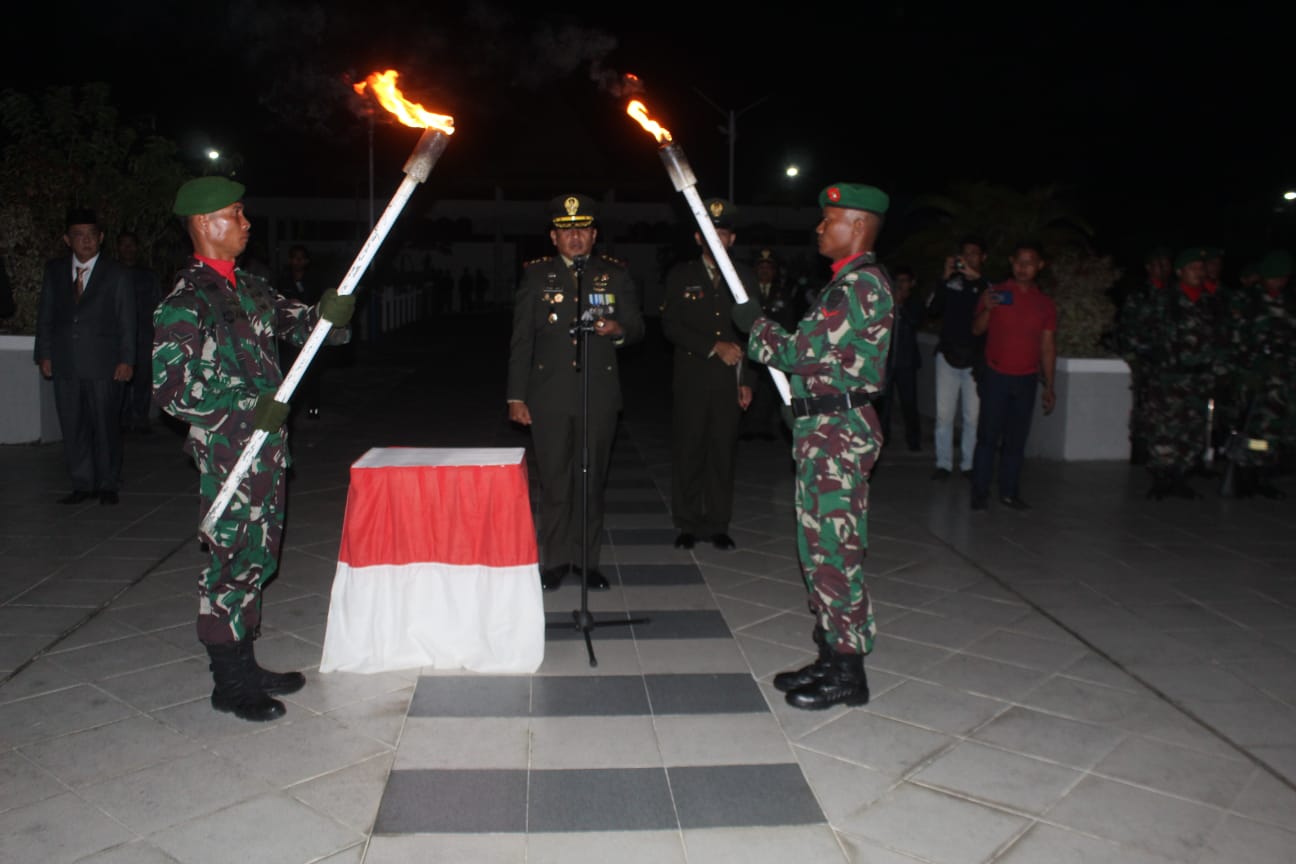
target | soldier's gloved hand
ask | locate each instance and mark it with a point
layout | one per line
(785, 411)
(744, 315)
(336, 309)
(269, 415)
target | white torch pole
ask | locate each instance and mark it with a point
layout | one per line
(682, 177)
(417, 168)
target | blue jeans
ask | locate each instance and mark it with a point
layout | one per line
(952, 383)
(1007, 403)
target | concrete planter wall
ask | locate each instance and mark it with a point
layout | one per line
(27, 413)
(1090, 420)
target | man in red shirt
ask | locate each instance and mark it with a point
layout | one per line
(1019, 321)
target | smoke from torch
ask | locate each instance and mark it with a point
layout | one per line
(682, 177)
(436, 129)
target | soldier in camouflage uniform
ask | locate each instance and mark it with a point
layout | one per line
(1183, 355)
(836, 359)
(544, 389)
(1134, 327)
(1261, 346)
(215, 367)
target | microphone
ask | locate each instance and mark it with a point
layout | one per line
(578, 263)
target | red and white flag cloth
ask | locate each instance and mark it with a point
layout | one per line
(438, 564)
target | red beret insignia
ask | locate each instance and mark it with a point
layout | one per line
(834, 194)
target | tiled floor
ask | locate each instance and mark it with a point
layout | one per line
(1101, 679)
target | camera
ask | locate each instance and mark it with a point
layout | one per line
(958, 264)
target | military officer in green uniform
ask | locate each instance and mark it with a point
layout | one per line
(836, 362)
(561, 298)
(216, 367)
(712, 387)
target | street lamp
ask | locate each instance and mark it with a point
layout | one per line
(731, 130)
(791, 171)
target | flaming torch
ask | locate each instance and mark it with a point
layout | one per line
(681, 174)
(437, 129)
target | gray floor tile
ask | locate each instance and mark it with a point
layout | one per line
(704, 694)
(1203, 777)
(425, 848)
(631, 847)
(471, 696)
(453, 802)
(58, 830)
(612, 799)
(876, 742)
(1048, 844)
(997, 778)
(730, 795)
(1045, 736)
(723, 739)
(660, 574)
(589, 742)
(764, 845)
(563, 696)
(1237, 839)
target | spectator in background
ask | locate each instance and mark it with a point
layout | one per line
(1019, 322)
(148, 294)
(904, 361)
(779, 303)
(958, 353)
(298, 284)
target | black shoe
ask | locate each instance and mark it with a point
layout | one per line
(107, 498)
(552, 577)
(77, 496)
(273, 683)
(685, 540)
(1013, 502)
(596, 580)
(844, 683)
(941, 474)
(236, 689)
(785, 682)
(979, 502)
(722, 541)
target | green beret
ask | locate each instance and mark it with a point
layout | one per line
(1189, 256)
(206, 195)
(855, 196)
(1276, 264)
(572, 211)
(722, 213)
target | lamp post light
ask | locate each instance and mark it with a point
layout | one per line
(730, 130)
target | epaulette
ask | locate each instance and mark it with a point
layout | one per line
(540, 260)
(609, 259)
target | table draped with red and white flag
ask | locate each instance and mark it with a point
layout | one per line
(437, 565)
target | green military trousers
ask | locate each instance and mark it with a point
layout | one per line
(244, 546)
(832, 473)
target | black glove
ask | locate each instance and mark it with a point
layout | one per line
(744, 315)
(785, 411)
(336, 309)
(269, 415)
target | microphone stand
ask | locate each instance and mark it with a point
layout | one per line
(585, 321)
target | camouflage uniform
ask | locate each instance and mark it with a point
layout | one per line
(840, 346)
(1261, 344)
(214, 354)
(1183, 351)
(1137, 319)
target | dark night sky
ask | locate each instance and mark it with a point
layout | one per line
(1171, 120)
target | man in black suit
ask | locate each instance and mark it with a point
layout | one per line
(147, 289)
(85, 342)
(545, 378)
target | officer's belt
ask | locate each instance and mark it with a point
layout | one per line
(831, 403)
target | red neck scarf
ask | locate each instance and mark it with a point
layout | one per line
(838, 265)
(224, 268)
(1192, 293)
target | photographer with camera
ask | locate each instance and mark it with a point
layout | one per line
(1018, 320)
(958, 354)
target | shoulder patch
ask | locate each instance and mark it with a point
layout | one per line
(615, 261)
(539, 260)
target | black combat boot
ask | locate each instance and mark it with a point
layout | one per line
(236, 688)
(273, 683)
(1160, 486)
(788, 681)
(845, 683)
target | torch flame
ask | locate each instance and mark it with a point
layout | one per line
(639, 111)
(410, 113)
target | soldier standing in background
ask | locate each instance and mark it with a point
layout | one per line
(148, 293)
(836, 361)
(712, 388)
(215, 367)
(1261, 346)
(545, 380)
(1134, 328)
(298, 284)
(779, 303)
(1183, 352)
